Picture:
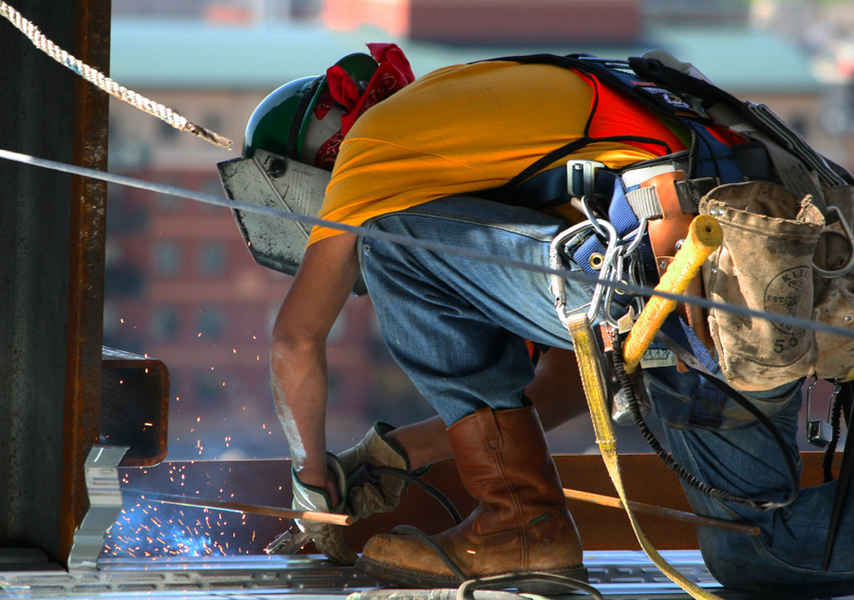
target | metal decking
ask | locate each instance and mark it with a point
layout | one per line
(618, 575)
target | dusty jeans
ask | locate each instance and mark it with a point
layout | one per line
(457, 326)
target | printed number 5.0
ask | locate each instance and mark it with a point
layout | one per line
(781, 343)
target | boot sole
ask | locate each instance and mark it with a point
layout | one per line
(420, 579)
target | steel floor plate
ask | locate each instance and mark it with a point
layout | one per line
(618, 575)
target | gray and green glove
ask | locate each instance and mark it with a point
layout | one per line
(328, 538)
(382, 494)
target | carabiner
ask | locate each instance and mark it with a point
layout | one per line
(557, 284)
(834, 274)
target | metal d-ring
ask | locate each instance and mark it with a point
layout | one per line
(557, 284)
(834, 274)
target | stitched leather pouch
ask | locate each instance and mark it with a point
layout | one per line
(765, 264)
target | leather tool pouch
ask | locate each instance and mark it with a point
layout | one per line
(764, 264)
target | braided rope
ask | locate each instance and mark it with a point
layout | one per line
(106, 84)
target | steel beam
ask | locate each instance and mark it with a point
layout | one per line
(51, 275)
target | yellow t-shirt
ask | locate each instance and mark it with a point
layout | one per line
(461, 129)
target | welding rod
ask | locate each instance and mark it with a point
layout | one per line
(255, 509)
(660, 511)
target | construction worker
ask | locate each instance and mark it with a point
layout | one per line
(425, 162)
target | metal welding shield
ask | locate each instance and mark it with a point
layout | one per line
(288, 137)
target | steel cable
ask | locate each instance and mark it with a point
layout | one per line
(623, 286)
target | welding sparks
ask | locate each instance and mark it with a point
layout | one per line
(140, 533)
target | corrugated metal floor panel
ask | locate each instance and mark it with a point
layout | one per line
(618, 575)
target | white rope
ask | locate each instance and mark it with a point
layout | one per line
(106, 84)
(419, 243)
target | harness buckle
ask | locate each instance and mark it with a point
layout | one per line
(581, 177)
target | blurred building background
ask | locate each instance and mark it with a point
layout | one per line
(181, 285)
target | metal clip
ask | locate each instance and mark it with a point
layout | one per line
(290, 542)
(557, 284)
(819, 433)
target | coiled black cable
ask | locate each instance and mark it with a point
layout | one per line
(370, 474)
(684, 475)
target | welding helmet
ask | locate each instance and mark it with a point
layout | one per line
(298, 118)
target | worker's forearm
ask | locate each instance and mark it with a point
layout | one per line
(298, 353)
(299, 382)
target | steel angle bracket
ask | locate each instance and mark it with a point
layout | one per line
(276, 182)
(105, 505)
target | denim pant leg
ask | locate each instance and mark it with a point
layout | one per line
(457, 325)
(785, 560)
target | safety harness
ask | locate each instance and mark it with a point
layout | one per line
(639, 217)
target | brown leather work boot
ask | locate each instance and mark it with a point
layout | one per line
(521, 524)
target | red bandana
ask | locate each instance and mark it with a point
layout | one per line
(393, 73)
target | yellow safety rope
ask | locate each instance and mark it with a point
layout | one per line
(584, 342)
(685, 265)
(106, 84)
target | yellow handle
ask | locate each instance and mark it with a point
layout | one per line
(704, 237)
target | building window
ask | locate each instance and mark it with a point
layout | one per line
(165, 322)
(166, 131)
(211, 259)
(127, 281)
(799, 123)
(167, 259)
(210, 322)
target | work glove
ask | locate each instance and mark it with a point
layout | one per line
(328, 538)
(370, 494)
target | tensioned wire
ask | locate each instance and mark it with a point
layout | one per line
(419, 243)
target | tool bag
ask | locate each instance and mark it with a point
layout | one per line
(771, 237)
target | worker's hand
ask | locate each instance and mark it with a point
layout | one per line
(328, 538)
(369, 494)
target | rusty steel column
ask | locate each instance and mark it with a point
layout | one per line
(51, 275)
(86, 266)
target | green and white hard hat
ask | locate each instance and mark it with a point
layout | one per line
(284, 122)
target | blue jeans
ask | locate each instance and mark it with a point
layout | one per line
(457, 327)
